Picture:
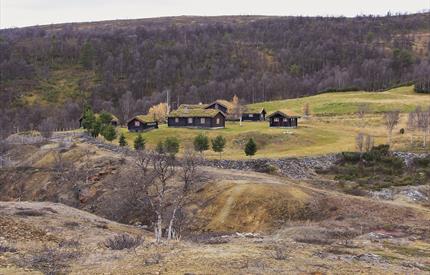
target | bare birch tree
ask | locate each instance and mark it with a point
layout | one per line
(189, 177)
(363, 109)
(423, 123)
(391, 119)
(411, 125)
(237, 109)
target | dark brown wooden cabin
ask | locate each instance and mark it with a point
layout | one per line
(114, 122)
(197, 118)
(251, 114)
(141, 123)
(220, 104)
(283, 120)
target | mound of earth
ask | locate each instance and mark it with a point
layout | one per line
(48, 238)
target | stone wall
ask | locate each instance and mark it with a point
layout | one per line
(294, 168)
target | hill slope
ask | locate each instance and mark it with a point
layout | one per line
(204, 58)
(403, 99)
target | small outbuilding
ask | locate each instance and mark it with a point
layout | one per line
(283, 119)
(196, 118)
(254, 114)
(142, 123)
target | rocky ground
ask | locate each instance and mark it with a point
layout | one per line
(51, 238)
(240, 221)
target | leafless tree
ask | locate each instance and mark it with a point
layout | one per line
(363, 109)
(423, 123)
(306, 110)
(412, 124)
(164, 184)
(4, 153)
(190, 176)
(237, 109)
(359, 143)
(126, 106)
(391, 119)
(46, 127)
(369, 142)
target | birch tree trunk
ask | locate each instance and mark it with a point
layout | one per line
(171, 222)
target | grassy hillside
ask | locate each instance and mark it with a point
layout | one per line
(341, 103)
(332, 128)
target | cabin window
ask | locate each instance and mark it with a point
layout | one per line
(251, 115)
(202, 120)
(218, 121)
(285, 119)
(176, 119)
(190, 120)
(276, 119)
(137, 123)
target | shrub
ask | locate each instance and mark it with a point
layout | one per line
(5, 248)
(218, 144)
(30, 213)
(122, 141)
(351, 156)
(201, 143)
(266, 168)
(171, 146)
(108, 132)
(123, 241)
(139, 143)
(279, 253)
(50, 260)
(250, 147)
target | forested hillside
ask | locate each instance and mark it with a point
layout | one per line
(127, 66)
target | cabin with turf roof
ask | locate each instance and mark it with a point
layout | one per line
(282, 119)
(254, 114)
(188, 117)
(142, 123)
(224, 106)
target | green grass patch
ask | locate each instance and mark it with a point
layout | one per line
(341, 103)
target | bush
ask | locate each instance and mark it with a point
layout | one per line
(279, 253)
(5, 248)
(123, 241)
(171, 146)
(122, 141)
(201, 143)
(250, 147)
(351, 156)
(218, 144)
(50, 260)
(108, 132)
(139, 143)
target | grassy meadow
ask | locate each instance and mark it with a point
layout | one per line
(331, 128)
(343, 103)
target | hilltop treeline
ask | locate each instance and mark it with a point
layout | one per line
(201, 59)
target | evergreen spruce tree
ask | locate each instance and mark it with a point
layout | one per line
(171, 146)
(88, 119)
(201, 143)
(96, 128)
(218, 145)
(108, 132)
(87, 55)
(122, 141)
(250, 147)
(139, 143)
